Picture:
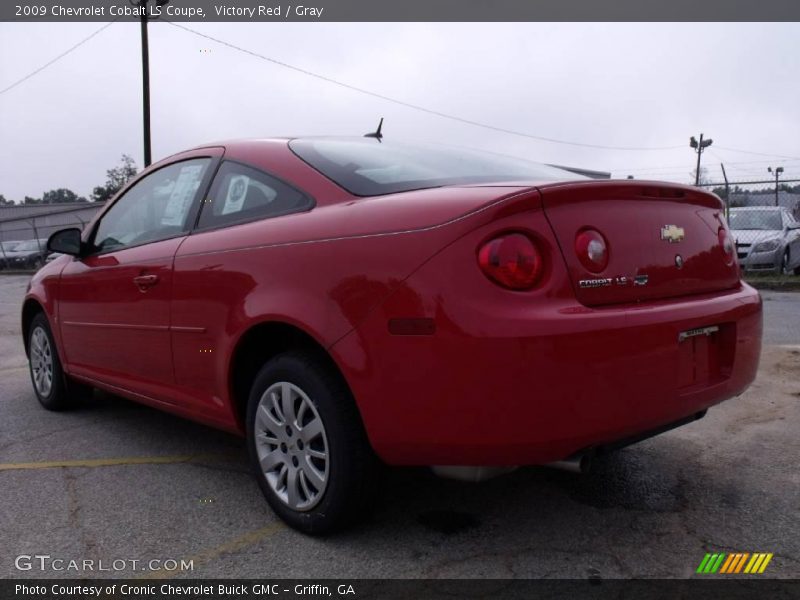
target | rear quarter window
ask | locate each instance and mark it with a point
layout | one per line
(240, 194)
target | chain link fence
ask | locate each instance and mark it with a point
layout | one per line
(765, 224)
(24, 231)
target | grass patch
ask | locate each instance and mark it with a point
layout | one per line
(772, 281)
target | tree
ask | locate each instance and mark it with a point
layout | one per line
(719, 191)
(703, 176)
(29, 200)
(60, 196)
(5, 202)
(116, 178)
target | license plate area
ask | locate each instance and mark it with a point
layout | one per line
(705, 355)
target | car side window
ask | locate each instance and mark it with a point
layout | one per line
(240, 194)
(155, 208)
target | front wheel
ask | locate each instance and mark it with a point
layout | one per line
(54, 390)
(307, 445)
(785, 263)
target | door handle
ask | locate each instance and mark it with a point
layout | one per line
(145, 282)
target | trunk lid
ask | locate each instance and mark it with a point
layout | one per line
(663, 240)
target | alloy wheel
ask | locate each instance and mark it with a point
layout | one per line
(41, 362)
(292, 446)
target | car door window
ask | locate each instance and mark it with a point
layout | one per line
(155, 208)
(240, 193)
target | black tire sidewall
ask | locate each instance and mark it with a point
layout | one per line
(346, 491)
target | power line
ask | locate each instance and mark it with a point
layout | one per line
(57, 58)
(757, 153)
(388, 99)
(409, 104)
(668, 169)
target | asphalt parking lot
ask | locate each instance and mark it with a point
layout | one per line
(116, 480)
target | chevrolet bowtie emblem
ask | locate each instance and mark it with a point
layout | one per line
(672, 233)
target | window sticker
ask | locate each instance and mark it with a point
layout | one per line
(182, 194)
(237, 190)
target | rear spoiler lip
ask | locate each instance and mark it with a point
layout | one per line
(640, 189)
(627, 187)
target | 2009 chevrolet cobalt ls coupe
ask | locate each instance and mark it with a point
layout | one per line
(340, 301)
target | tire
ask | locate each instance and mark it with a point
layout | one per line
(785, 263)
(54, 390)
(310, 493)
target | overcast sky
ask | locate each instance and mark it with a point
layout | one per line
(650, 85)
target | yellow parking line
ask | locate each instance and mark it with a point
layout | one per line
(238, 543)
(105, 462)
(204, 556)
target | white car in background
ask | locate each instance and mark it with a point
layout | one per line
(767, 239)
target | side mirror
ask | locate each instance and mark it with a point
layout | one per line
(66, 241)
(794, 226)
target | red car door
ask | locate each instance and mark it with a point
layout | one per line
(114, 303)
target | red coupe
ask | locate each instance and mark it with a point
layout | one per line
(344, 302)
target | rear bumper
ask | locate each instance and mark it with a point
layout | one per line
(491, 387)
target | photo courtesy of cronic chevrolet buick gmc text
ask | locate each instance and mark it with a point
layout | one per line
(346, 303)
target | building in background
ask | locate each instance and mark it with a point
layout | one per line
(34, 221)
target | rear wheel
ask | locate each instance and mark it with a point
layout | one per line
(54, 390)
(307, 445)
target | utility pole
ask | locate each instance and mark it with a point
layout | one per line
(145, 83)
(699, 147)
(143, 18)
(727, 192)
(778, 171)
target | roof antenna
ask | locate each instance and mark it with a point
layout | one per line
(377, 133)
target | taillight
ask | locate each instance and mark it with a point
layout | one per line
(592, 250)
(512, 260)
(728, 247)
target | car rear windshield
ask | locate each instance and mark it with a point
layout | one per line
(368, 167)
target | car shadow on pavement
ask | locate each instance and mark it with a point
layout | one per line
(643, 477)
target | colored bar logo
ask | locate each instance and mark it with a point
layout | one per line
(735, 562)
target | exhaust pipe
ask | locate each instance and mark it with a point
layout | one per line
(471, 474)
(578, 463)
